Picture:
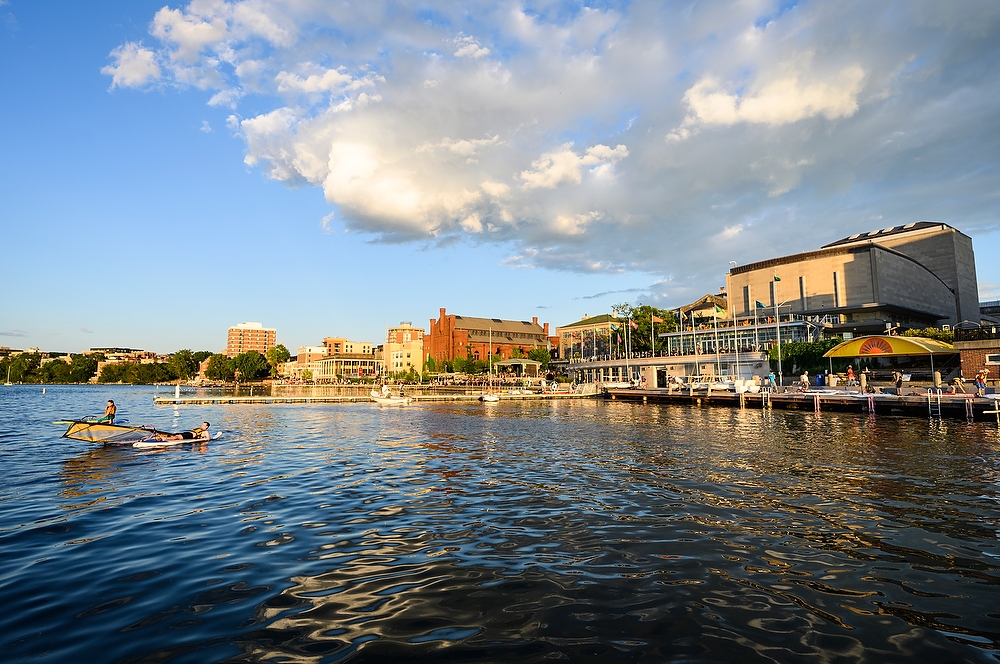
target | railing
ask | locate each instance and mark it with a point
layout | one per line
(977, 334)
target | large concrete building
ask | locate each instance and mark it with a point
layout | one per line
(250, 336)
(454, 336)
(918, 275)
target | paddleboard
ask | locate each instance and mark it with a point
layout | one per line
(168, 443)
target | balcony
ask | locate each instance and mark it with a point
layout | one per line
(978, 333)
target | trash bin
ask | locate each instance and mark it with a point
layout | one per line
(819, 380)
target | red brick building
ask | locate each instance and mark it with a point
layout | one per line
(454, 336)
(979, 349)
(250, 336)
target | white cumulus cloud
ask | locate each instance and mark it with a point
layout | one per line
(563, 166)
(134, 66)
(776, 103)
(542, 127)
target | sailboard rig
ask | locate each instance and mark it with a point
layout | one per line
(102, 432)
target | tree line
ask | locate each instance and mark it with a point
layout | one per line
(28, 368)
(182, 365)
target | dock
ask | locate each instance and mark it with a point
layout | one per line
(360, 398)
(962, 406)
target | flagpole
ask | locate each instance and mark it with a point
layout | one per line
(736, 340)
(777, 330)
(777, 322)
(628, 336)
(718, 363)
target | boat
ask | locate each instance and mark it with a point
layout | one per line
(169, 443)
(385, 397)
(8, 375)
(489, 395)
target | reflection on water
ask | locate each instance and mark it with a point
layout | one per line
(573, 530)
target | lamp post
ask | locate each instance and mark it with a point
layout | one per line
(777, 329)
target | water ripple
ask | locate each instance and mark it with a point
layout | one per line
(581, 531)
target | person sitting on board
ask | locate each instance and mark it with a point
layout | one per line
(109, 413)
(198, 433)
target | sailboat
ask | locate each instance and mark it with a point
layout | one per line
(385, 397)
(8, 376)
(489, 395)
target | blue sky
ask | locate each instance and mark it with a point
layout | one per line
(171, 170)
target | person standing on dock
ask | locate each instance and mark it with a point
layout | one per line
(804, 379)
(981, 382)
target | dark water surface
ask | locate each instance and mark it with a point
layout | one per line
(531, 531)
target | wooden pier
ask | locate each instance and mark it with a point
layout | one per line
(961, 406)
(302, 399)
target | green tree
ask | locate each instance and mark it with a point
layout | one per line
(137, 373)
(82, 368)
(251, 365)
(56, 371)
(219, 367)
(277, 355)
(113, 373)
(642, 336)
(430, 365)
(307, 374)
(542, 355)
(932, 333)
(184, 364)
(24, 368)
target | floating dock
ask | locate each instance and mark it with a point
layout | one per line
(961, 406)
(359, 398)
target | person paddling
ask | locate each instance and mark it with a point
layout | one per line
(198, 433)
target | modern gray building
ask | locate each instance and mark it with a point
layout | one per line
(918, 275)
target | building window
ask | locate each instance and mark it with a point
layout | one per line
(746, 299)
(802, 294)
(836, 290)
(771, 289)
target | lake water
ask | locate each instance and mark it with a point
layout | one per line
(529, 531)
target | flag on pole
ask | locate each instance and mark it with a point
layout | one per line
(719, 310)
(760, 305)
(777, 278)
(634, 326)
(657, 319)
